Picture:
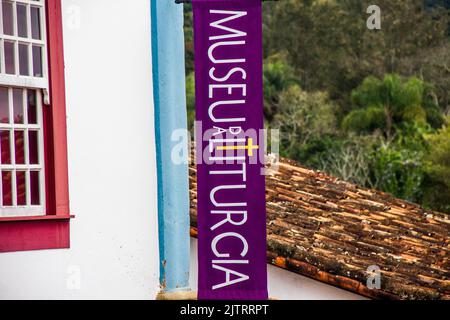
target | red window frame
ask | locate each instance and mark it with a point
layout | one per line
(51, 231)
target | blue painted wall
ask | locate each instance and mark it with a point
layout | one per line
(170, 115)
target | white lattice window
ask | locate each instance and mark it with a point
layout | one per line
(23, 88)
(23, 50)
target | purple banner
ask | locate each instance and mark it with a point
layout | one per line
(230, 150)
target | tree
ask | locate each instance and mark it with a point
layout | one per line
(331, 49)
(397, 167)
(190, 99)
(354, 102)
(189, 37)
(433, 66)
(351, 160)
(439, 155)
(303, 116)
(278, 76)
(384, 104)
(437, 194)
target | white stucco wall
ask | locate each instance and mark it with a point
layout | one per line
(286, 285)
(112, 167)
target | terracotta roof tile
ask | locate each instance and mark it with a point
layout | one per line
(332, 231)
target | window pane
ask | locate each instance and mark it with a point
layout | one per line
(9, 58)
(32, 108)
(33, 147)
(22, 27)
(4, 101)
(7, 188)
(18, 105)
(19, 147)
(8, 18)
(35, 23)
(37, 61)
(23, 60)
(5, 147)
(21, 188)
(34, 188)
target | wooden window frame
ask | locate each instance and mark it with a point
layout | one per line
(27, 209)
(52, 230)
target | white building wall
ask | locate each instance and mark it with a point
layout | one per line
(112, 170)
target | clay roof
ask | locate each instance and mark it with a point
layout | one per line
(332, 231)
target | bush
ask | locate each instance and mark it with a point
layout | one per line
(190, 99)
(303, 117)
(364, 120)
(388, 103)
(398, 171)
(437, 160)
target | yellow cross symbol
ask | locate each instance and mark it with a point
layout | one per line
(250, 147)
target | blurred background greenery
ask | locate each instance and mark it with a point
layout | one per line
(368, 106)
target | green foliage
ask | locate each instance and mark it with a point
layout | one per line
(190, 99)
(349, 158)
(278, 76)
(398, 171)
(365, 120)
(315, 152)
(416, 114)
(303, 116)
(396, 100)
(332, 50)
(189, 38)
(365, 106)
(395, 166)
(438, 170)
(434, 116)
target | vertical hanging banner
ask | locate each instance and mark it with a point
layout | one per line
(230, 150)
